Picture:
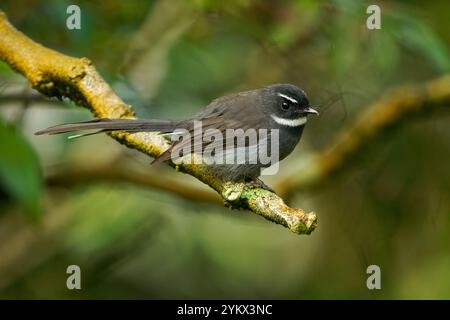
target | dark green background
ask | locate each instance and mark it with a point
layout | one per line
(389, 207)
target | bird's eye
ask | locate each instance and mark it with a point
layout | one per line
(285, 106)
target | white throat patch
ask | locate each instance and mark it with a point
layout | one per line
(290, 122)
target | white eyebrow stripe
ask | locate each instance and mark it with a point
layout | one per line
(290, 122)
(288, 98)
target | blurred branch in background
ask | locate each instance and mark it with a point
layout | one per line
(28, 97)
(68, 177)
(391, 110)
(25, 99)
(55, 74)
(150, 45)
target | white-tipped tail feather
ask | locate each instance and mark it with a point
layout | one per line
(104, 125)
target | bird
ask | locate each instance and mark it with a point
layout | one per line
(280, 108)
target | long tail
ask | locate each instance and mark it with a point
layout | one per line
(105, 124)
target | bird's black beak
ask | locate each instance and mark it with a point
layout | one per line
(311, 110)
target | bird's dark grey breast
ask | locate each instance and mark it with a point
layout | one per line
(289, 138)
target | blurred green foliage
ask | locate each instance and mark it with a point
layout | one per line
(20, 173)
(391, 207)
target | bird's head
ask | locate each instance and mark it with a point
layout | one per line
(287, 105)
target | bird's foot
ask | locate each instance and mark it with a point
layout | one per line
(257, 183)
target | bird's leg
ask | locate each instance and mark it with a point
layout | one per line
(257, 183)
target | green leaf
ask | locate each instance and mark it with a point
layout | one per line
(420, 37)
(5, 68)
(20, 172)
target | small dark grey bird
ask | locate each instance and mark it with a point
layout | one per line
(280, 106)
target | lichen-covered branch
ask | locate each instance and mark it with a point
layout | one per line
(56, 74)
(387, 112)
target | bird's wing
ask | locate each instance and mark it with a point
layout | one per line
(216, 120)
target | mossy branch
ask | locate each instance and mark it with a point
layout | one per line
(58, 75)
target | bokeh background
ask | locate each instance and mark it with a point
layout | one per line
(389, 207)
